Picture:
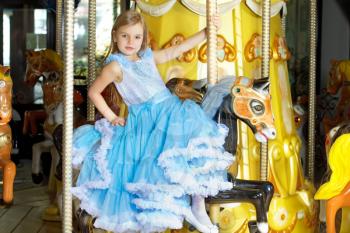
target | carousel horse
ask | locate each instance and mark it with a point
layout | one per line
(336, 191)
(46, 64)
(7, 166)
(249, 101)
(339, 79)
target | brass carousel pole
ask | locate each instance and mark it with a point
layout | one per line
(283, 24)
(68, 115)
(91, 55)
(115, 8)
(312, 89)
(265, 72)
(212, 41)
(212, 75)
(59, 27)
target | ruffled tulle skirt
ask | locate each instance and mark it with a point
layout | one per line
(140, 177)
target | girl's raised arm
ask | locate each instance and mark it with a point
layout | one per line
(164, 55)
(111, 72)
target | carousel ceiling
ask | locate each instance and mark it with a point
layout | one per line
(48, 4)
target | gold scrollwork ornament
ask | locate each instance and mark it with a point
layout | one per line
(225, 51)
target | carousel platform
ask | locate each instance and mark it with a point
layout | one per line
(31, 200)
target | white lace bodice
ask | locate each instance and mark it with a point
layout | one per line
(141, 79)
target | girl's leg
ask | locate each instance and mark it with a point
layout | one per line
(199, 226)
(198, 210)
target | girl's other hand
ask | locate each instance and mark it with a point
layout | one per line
(118, 121)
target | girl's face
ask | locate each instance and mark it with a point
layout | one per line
(129, 39)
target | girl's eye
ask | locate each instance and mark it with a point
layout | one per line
(138, 37)
(123, 35)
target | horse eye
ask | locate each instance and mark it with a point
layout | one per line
(257, 107)
(2, 84)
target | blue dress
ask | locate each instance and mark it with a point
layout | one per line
(140, 177)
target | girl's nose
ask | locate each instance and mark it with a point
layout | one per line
(130, 40)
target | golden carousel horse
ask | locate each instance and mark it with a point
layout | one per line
(339, 79)
(7, 166)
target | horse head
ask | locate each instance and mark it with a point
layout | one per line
(47, 64)
(182, 87)
(251, 102)
(39, 62)
(5, 95)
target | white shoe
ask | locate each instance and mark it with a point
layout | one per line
(214, 229)
(263, 227)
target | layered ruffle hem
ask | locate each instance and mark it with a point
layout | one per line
(139, 178)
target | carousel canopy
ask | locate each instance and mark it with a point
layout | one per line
(161, 7)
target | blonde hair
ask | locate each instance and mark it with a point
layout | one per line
(129, 17)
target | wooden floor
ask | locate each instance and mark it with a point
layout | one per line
(30, 200)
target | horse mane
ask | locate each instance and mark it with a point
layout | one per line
(342, 65)
(338, 162)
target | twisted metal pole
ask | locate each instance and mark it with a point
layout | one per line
(212, 71)
(115, 8)
(59, 27)
(68, 115)
(91, 55)
(312, 89)
(265, 72)
(212, 43)
(284, 23)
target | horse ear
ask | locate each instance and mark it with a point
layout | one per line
(266, 87)
(334, 62)
(29, 53)
(262, 85)
(7, 71)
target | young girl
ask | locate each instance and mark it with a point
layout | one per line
(151, 171)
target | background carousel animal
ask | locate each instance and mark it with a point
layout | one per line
(6, 165)
(339, 80)
(336, 191)
(48, 64)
